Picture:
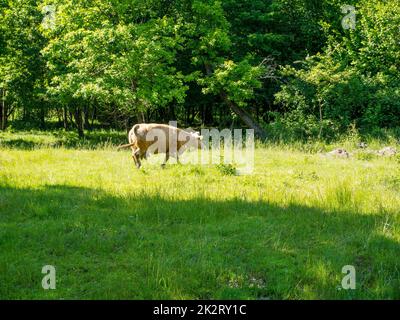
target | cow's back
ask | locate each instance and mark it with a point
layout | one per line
(146, 134)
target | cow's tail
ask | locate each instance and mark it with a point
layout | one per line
(125, 146)
(132, 143)
(135, 130)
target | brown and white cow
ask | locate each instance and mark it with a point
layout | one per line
(152, 138)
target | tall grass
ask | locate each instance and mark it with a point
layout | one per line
(192, 231)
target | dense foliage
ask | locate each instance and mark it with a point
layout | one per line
(355, 80)
(265, 64)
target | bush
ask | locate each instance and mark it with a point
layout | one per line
(226, 169)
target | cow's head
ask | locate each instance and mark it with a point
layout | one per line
(196, 140)
(191, 139)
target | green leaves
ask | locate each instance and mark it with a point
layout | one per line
(237, 80)
(21, 66)
(91, 61)
(189, 59)
(357, 76)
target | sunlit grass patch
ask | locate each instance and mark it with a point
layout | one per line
(191, 231)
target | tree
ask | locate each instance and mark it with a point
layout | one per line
(355, 79)
(210, 44)
(21, 66)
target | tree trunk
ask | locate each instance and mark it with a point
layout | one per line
(65, 117)
(247, 119)
(127, 127)
(79, 122)
(320, 119)
(86, 117)
(172, 115)
(93, 116)
(208, 115)
(42, 118)
(193, 115)
(3, 113)
(27, 115)
(59, 116)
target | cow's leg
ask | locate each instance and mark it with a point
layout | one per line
(180, 153)
(138, 157)
(133, 155)
(165, 160)
(142, 155)
(135, 158)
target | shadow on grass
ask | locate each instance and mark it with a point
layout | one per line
(21, 144)
(140, 247)
(60, 138)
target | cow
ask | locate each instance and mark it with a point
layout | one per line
(152, 138)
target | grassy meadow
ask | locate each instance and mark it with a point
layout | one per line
(192, 231)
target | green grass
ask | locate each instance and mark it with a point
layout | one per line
(192, 231)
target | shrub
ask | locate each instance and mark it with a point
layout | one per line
(226, 169)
